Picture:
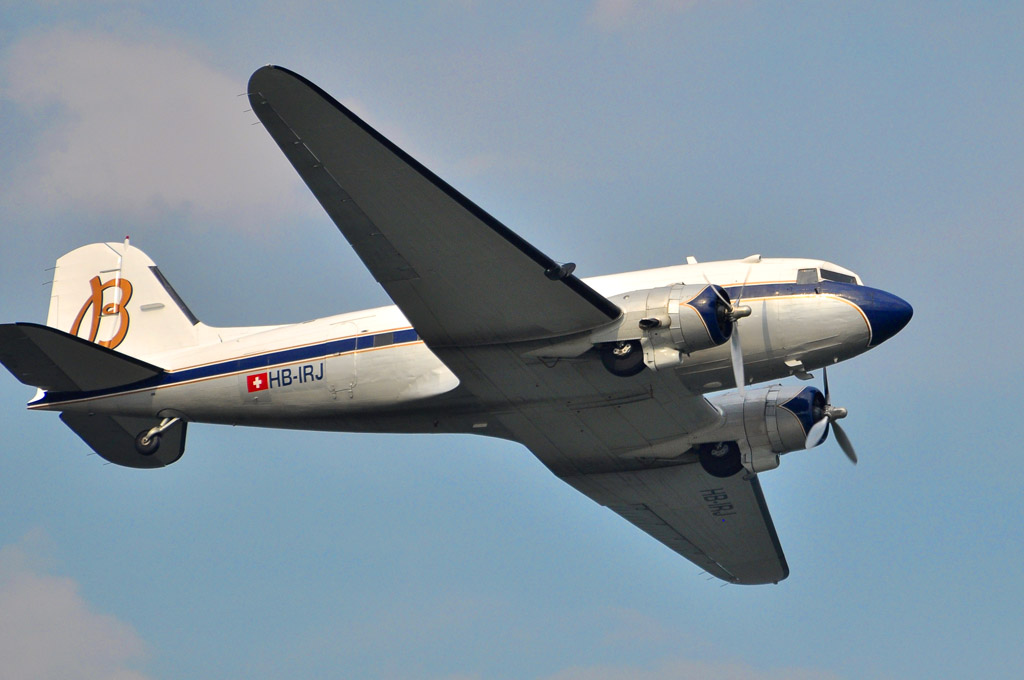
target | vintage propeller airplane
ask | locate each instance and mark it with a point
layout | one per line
(602, 379)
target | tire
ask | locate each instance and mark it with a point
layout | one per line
(623, 359)
(147, 446)
(720, 459)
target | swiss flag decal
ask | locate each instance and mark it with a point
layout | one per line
(257, 382)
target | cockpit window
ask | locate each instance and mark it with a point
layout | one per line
(829, 275)
(807, 276)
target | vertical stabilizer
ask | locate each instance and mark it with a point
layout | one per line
(112, 294)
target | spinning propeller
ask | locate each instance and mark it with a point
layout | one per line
(735, 313)
(831, 414)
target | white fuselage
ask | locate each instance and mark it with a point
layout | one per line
(305, 374)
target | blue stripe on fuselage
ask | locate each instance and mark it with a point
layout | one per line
(851, 291)
(241, 365)
(856, 294)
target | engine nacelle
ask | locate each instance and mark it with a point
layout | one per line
(660, 326)
(760, 425)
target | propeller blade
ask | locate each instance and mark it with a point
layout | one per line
(816, 432)
(844, 443)
(736, 352)
(736, 312)
(832, 415)
(735, 348)
(717, 291)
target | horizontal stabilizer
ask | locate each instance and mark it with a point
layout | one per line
(113, 438)
(56, 361)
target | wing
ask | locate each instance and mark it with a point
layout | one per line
(609, 437)
(721, 525)
(458, 274)
(484, 300)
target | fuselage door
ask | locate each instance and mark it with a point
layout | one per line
(341, 361)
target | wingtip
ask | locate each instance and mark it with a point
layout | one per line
(272, 71)
(262, 70)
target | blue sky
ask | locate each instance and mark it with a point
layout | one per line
(619, 134)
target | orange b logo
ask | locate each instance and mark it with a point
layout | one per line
(100, 310)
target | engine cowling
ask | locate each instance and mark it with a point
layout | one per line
(760, 424)
(660, 326)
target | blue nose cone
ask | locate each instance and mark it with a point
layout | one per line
(886, 313)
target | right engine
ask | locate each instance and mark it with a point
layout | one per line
(660, 326)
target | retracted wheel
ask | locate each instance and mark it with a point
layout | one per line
(720, 459)
(146, 443)
(623, 358)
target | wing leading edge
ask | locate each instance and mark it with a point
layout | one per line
(459, 275)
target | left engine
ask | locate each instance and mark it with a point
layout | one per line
(758, 426)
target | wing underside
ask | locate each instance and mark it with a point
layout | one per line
(721, 525)
(608, 438)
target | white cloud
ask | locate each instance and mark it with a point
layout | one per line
(48, 631)
(134, 128)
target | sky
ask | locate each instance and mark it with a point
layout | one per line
(887, 137)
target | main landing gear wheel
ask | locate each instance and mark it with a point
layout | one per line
(147, 444)
(721, 459)
(623, 358)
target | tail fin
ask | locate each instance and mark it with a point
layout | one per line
(112, 294)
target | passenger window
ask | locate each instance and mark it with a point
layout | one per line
(383, 339)
(807, 276)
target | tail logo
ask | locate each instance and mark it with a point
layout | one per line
(100, 310)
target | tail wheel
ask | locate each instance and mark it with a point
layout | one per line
(623, 358)
(147, 444)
